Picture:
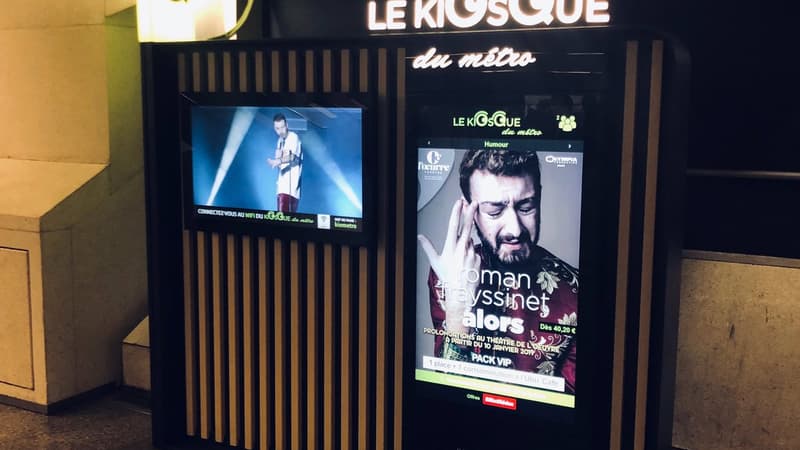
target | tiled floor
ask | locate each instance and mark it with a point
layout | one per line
(104, 424)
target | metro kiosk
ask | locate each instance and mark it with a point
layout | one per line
(273, 337)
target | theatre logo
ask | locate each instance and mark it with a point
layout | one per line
(561, 161)
(432, 167)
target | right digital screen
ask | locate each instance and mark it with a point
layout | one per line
(497, 273)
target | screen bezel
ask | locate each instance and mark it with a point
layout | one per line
(198, 222)
(436, 403)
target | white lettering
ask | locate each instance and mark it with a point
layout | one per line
(476, 7)
(372, 21)
(498, 13)
(395, 13)
(544, 14)
(465, 14)
(566, 18)
(597, 11)
(431, 60)
(422, 12)
(497, 58)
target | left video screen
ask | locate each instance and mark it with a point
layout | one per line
(277, 166)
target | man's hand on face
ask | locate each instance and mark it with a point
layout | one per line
(456, 260)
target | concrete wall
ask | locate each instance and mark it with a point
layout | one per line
(72, 222)
(738, 357)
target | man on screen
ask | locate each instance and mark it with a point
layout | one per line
(499, 290)
(289, 162)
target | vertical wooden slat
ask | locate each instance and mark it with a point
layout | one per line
(242, 58)
(623, 247)
(365, 359)
(363, 70)
(195, 71)
(291, 68)
(227, 72)
(276, 71)
(295, 322)
(381, 322)
(264, 341)
(399, 293)
(312, 352)
(310, 71)
(182, 72)
(211, 64)
(279, 353)
(190, 330)
(328, 431)
(234, 333)
(327, 71)
(328, 350)
(203, 333)
(248, 346)
(646, 292)
(345, 66)
(220, 402)
(346, 339)
(259, 71)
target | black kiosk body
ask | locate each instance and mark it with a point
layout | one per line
(275, 333)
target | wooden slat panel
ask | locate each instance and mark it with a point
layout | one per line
(381, 322)
(243, 70)
(345, 66)
(363, 70)
(211, 62)
(295, 325)
(327, 71)
(623, 245)
(220, 400)
(182, 75)
(227, 72)
(399, 292)
(648, 244)
(196, 72)
(291, 69)
(312, 352)
(264, 350)
(248, 345)
(365, 359)
(259, 71)
(346, 362)
(190, 330)
(310, 71)
(279, 353)
(328, 351)
(234, 335)
(203, 332)
(276, 71)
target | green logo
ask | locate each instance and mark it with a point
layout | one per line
(566, 123)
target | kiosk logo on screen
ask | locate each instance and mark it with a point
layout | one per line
(483, 119)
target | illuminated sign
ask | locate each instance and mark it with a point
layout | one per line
(494, 58)
(399, 15)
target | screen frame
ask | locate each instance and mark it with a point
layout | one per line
(197, 222)
(434, 403)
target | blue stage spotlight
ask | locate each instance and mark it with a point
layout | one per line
(240, 124)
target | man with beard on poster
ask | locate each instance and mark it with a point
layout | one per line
(504, 286)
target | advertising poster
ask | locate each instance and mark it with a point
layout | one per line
(497, 281)
(297, 166)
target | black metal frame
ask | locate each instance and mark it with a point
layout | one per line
(164, 228)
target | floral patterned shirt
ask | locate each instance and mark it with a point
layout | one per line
(554, 284)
